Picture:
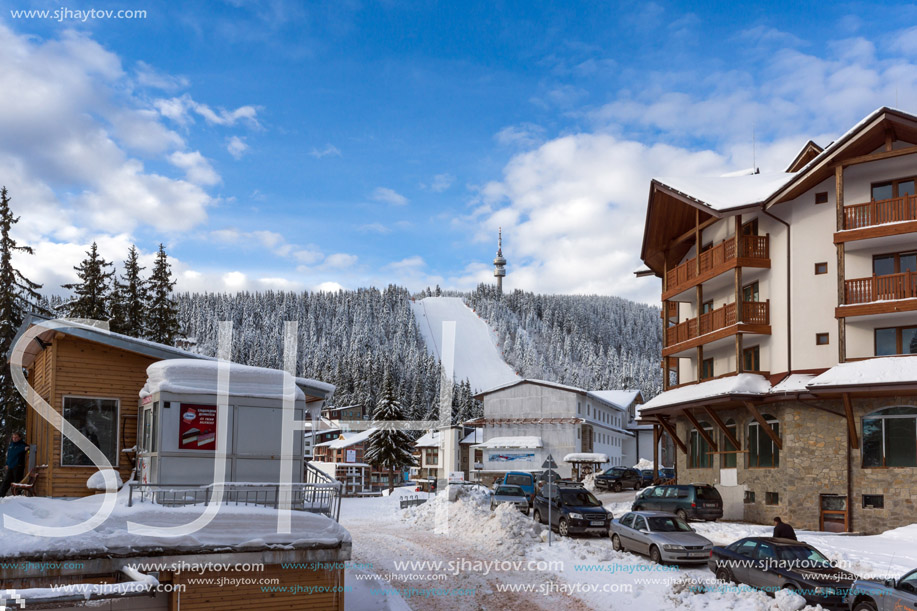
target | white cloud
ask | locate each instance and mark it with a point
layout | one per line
(328, 287)
(148, 76)
(235, 280)
(409, 263)
(389, 196)
(197, 169)
(329, 151)
(442, 182)
(374, 228)
(236, 147)
(180, 109)
(339, 260)
(525, 135)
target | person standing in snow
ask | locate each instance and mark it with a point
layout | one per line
(15, 463)
(782, 530)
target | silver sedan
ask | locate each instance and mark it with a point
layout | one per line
(662, 536)
(510, 494)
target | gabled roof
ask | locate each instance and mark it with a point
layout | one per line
(618, 399)
(807, 153)
(534, 382)
(346, 440)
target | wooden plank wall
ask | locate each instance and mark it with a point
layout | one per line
(251, 596)
(87, 369)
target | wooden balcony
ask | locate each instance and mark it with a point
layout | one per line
(746, 251)
(874, 219)
(879, 295)
(718, 324)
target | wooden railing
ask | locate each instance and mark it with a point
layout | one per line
(749, 247)
(881, 212)
(880, 288)
(753, 313)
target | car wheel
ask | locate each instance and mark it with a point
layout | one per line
(865, 605)
(616, 543)
(656, 555)
(636, 508)
(562, 528)
(537, 516)
(725, 575)
(681, 514)
(617, 487)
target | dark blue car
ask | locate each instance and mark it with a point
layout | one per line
(573, 509)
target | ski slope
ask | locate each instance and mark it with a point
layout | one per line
(477, 357)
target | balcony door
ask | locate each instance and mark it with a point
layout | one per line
(891, 189)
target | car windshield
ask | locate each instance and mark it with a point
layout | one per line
(519, 480)
(510, 491)
(708, 493)
(614, 471)
(668, 525)
(799, 554)
(579, 498)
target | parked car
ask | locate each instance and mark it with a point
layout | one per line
(618, 478)
(647, 476)
(886, 595)
(510, 494)
(666, 474)
(778, 564)
(688, 501)
(573, 509)
(661, 536)
(524, 480)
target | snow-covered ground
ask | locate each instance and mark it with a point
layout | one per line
(462, 555)
(477, 357)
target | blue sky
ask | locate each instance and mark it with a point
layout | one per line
(305, 145)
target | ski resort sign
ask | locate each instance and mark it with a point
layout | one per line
(511, 457)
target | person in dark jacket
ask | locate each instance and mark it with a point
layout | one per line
(783, 530)
(15, 463)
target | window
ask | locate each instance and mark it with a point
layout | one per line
(700, 457)
(751, 359)
(873, 501)
(890, 437)
(896, 340)
(628, 520)
(821, 339)
(892, 188)
(97, 420)
(821, 268)
(579, 407)
(750, 292)
(894, 263)
(771, 498)
(433, 456)
(762, 451)
(729, 460)
(821, 198)
(706, 371)
(750, 228)
(706, 307)
(749, 496)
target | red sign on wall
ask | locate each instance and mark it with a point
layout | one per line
(197, 429)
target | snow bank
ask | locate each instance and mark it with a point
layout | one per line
(643, 464)
(96, 481)
(505, 530)
(189, 376)
(888, 370)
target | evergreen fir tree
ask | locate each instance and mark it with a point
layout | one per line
(92, 298)
(128, 300)
(162, 321)
(389, 448)
(18, 297)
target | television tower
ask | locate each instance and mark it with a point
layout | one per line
(499, 262)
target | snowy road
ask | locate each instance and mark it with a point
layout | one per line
(500, 560)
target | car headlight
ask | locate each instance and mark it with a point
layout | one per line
(673, 548)
(576, 516)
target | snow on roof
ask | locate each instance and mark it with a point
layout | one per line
(742, 384)
(727, 192)
(347, 439)
(533, 381)
(430, 440)
(238, 527)
(876, 371)
(620, 399)
(188, 376)
(528, 443)
(592, 457)
(795, 382)
(475, 436)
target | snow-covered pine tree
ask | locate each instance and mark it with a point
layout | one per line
(162, 314)
(129, 297)
(18, 297)
(389, 448)
(93, 289)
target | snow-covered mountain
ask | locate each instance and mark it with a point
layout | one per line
(477, 357)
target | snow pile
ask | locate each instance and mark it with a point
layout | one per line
(696, 594)
(477, 358)
(643, 464)
(888, 370)
(505, 530)
(96, 481)
(904, 534)
(189, 376)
